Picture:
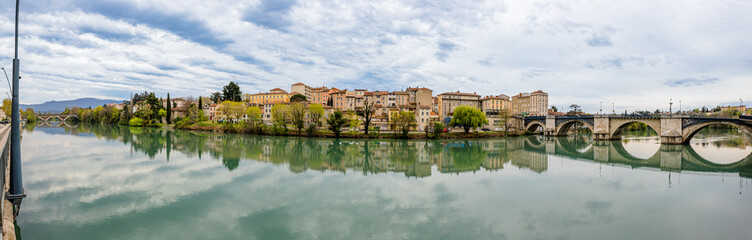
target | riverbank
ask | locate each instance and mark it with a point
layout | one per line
(371, 135)
(9, 224)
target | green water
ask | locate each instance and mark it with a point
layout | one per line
(113, 182)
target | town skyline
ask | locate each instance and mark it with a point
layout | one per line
(579, 53)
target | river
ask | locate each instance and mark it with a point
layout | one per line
(115, 182)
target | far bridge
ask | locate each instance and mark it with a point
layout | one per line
(61, 117)
(671, 129)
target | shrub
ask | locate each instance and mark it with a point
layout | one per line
(136, 122)
(438, 128)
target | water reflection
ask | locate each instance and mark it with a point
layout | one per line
(113, 182)
(415, 158)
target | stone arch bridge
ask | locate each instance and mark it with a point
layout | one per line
(672, 130)
(61, 117)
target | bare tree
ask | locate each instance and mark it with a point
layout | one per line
(369, 108)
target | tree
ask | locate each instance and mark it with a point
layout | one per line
(280, 115)
(369, 108)
(657, 111)
(7, 107)
(162, 114)
(298, 98)
(231, 92)
(353, 121)
(336, 121)
(232, 110)
(315, 113)
(125, 115)
(438, 128)
(505, 115)
(554, 109)
(145, 112)
(468, 117)
(575, 109)
(216, 97)
(404, 120)
(169, 109)
(297, 115)
(255, 119)
(200, 103)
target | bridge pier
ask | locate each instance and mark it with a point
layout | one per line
(602, 127)
(671, 130)
(671, 157)
(550, 128)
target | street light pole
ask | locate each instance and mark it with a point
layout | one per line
(680, 111)
(670, 103)
(613, 108)
(16, 192)
(601, 110)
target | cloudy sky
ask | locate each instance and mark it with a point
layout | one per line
(636, 54)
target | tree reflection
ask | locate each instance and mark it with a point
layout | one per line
(414, 158)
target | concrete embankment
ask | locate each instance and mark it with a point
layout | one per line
(9, 227)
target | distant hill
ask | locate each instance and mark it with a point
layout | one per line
(59, 106)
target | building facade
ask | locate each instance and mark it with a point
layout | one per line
(449, 101)
(530, 104)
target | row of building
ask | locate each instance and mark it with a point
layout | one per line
(421, 101)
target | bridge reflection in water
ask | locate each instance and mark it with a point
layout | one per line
(415, 158)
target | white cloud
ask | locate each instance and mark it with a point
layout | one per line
(584, 53)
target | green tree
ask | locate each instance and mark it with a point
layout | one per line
(169, 110)
(352, 120)
(315, 113)
(125, 115)
(468, 117)
(369, 108)
(403, 121)
(7, 107)
(145, 112)
(255, 119)
(216, 97)
(231, 92)
(232, 110)
(280, 116)
(298, 98)
(200, 103)
(297, 115)
(553, 108)
(438, 129)
(162, 113)
(335, 122)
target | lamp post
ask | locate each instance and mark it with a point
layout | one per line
(670, 103)
(601, 109)
(613, 108)
(16, 193)
(680, 111)
(7, 79)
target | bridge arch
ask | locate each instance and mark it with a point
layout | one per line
(690, 156)
(534, 125)
(563, 127)
(618, 128)
(689, 131)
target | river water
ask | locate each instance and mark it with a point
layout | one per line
(114, 182)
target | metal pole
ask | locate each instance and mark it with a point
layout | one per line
(7, 79)
(601, 110)
(680, 111)
(16, 192)
(670, 103)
